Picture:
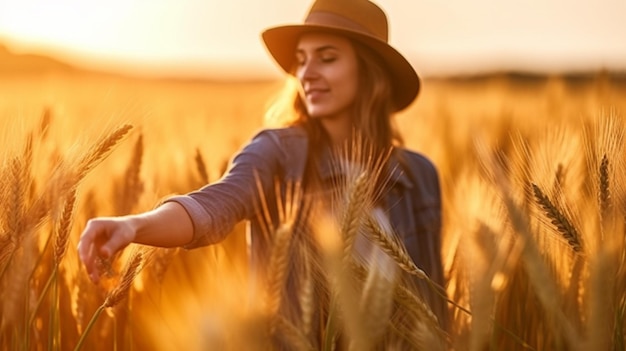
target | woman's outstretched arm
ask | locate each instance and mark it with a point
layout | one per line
(168, 225)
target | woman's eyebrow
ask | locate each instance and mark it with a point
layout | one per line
(320, 49)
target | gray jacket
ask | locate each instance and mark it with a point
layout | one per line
(413, 202)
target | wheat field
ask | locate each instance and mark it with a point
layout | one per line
(534, 188)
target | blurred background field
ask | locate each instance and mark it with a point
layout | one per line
(193, 299)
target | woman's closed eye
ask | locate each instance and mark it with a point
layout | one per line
(302, 60)
(328, 59)
(325, 60)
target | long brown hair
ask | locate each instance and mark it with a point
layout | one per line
(373, 107)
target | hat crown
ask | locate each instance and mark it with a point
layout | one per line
(355, 15)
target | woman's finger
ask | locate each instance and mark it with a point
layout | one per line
(87, 251)
(117, 241)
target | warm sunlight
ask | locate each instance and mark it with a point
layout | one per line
(174, 34)
(194, 35)
(486, 214)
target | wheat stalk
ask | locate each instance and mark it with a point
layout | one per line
(538, 273)
(7, 247)
(292, 335)
(201, 167)
(601, 305)
(63, 230)
(13, 290)
(376, 305)
(116, 295)
(481, 293)
(343, 303)
(543, 283)
(408, 301)
(82, 290)
(62, 182)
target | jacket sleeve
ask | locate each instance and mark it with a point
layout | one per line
(217, 207)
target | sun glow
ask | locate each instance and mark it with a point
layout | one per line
(158, 34)
(213, 36)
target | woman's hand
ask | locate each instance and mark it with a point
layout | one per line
(101, 239)
(168, 225)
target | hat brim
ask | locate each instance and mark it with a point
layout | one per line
(281, 43)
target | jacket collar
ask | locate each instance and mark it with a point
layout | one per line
(327, 169)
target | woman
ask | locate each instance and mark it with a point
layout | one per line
(350, 83)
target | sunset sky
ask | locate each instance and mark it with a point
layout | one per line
(221, 37)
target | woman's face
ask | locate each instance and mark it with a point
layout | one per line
(327, 69)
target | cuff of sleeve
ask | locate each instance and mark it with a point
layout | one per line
(200, 219)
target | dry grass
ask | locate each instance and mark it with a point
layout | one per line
(534, 195)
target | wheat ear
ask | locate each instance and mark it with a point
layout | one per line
(44, 124)
(392, 248)
(131, 270)
(14, 213)
(395, 250)
(100, 150)
(604, 195)
(538, 273)
(64, 227)
(306, 293)
(558, 219)
(540, 278)
(354, 207)
(133, 186)
(277, 271)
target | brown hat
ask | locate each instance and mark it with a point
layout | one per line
(360, 20)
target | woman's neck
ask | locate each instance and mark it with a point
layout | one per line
(339, 130)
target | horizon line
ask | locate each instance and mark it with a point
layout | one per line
(254, 70)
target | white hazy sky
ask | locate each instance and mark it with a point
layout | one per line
(217, 37)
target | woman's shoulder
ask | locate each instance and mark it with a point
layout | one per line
(283, 133)
(278, 139)
(422, 173)
(286, 140)
(287, 146)
(416, 160)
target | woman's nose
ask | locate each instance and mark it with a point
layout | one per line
(307, 71)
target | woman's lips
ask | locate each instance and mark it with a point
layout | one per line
(315, 94)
